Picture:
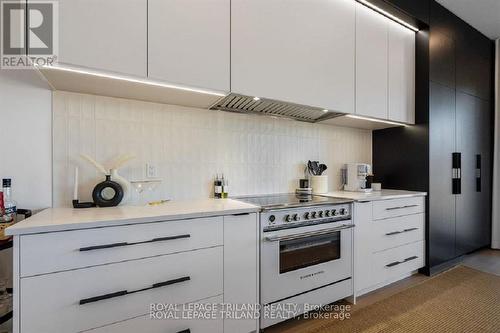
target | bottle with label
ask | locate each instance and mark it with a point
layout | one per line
(9, 213)
(217, 187)
(225, 187)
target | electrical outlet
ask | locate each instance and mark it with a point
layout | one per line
(151, 170)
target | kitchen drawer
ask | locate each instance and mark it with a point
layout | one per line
(144, 324)
(384, 209)
(59, 251)
(396, 231)
(398, 262)
(78, 300)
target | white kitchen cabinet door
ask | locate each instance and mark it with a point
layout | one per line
(241, 270)
(106, 35)
(371, 63)
(298, 51)
(401, 73)
(189, 42)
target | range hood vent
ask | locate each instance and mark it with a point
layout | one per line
(268, 107)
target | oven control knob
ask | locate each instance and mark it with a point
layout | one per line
(343, 211)
(334, 212)
(288, 218)
(320, 213)
(313, 215)
(296, 217)
(272, 219)
(306, 215)
(327, 213)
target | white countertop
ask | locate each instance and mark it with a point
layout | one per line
(62, 219)
(374, 195)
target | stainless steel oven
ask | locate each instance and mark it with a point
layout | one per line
(305, 253)
(296, 260)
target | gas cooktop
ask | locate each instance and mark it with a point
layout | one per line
(290, 200)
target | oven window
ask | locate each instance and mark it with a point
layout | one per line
(309, 251)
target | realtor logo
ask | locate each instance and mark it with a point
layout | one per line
(29, 33)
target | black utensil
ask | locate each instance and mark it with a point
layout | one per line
(322, 168)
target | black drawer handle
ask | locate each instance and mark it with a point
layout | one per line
(185, 331)
(400, 232)
(126, 292)
(401, 207)
(108, 246)
(395, 263)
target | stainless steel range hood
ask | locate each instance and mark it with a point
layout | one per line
(268, 107)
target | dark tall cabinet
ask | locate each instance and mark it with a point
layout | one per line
(451, 144)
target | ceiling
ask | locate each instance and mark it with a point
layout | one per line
(484, 15)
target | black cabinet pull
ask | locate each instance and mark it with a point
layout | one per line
(185, 331)
(478, 173)
(400, 232)
(170, 282)
(456, 180)
(401, 207)
(126, 292)
(108, 246)
(392, 264)
(103, 297)
(395, 263)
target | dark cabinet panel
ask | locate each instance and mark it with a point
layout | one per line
(486, 174)
(443, 21)
(468, 202)
(418, 9)
(442, 59)
(441, 201)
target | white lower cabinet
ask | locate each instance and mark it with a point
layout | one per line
(116, 294)
(389, 241)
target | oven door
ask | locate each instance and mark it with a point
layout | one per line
(294, 261)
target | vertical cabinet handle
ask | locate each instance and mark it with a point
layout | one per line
(478, 173)
(456, 173)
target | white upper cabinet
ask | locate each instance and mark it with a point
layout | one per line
(107, 35)
(189, 42)
(371, 63)
(401, 73)
(299, 51)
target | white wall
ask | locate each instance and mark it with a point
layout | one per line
(495, 237)
(26, 141)
(26, 137)
(258, 155)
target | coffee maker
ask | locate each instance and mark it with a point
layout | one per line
(355, 178)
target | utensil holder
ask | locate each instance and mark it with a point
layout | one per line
(319, 184)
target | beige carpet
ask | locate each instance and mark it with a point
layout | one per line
(459, 300)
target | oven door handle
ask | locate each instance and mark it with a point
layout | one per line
(308, 234)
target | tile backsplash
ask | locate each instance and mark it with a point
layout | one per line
(258, 155)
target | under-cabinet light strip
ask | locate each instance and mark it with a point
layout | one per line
(387, 14)
(133, 80)
(376, 120)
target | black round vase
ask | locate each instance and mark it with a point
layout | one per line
(107, 193)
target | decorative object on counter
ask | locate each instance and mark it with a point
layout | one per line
(144, 186)
(303, 188)
(225, 187)
(355, 177)
(114, 165)
(76, 202)
(376, 186)
(221, 187)
(369, 181)
(107, 193)
(8, 208)
(315, 168)
(319, 182)
(158, 203)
